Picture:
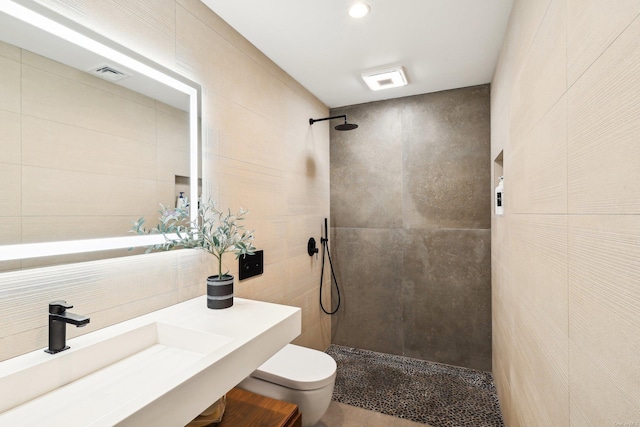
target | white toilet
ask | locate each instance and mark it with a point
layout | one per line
(298, 375)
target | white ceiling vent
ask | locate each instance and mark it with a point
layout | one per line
(107, 72)
(385, 79)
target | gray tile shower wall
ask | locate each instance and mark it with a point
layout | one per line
(411, 219)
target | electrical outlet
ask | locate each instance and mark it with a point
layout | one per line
(250, 265)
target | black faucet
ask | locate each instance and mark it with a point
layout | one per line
(58, 319)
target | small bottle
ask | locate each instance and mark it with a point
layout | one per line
(499, 197)
(181, 203)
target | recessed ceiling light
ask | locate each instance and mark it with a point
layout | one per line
(359, 10)
(385, 79)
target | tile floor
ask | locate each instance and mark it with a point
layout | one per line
(341, 415)
(370, 384)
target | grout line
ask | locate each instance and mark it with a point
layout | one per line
(600, 54)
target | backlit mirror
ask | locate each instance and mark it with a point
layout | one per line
(93, 136)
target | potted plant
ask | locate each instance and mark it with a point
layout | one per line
(214, 231)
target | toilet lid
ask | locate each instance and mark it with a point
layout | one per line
(299, 368)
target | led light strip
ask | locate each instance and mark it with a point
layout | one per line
(36, 250)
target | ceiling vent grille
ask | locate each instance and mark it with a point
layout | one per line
(108, 73)
(385, 79)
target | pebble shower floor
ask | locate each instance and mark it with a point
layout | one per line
(417, 390)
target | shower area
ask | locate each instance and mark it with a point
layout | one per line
(410, 227)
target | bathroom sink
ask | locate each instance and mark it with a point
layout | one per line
(160, 369)
(106, 374)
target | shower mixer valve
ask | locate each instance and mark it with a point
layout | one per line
(311, 247)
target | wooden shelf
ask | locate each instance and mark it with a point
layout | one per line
(245, 409)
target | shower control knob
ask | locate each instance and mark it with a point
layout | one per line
(311, 247)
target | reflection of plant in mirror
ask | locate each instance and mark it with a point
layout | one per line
(214, 231)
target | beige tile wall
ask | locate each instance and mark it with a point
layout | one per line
(258, 152)
(565, 254)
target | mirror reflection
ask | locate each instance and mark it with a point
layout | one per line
(82, 156)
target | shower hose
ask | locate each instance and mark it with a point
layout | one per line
(325, 250)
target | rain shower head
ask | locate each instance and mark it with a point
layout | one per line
(346, 126)
(343, 126)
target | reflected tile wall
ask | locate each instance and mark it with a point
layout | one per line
(411, 223)
(114, 152)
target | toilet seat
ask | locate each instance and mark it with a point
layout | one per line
(298, 368)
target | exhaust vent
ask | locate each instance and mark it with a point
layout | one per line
(108, 73)
(385, 79)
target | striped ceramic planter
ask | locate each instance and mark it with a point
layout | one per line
(219, 292)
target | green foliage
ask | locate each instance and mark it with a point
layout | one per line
(214, 231)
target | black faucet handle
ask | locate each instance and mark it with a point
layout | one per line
(58, 307)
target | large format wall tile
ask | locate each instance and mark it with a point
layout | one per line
(51, 97)
(604, 131)
(173, 126)
(604, 256)
(523, 27)
(258, 189)
(538, 256)
(10, 138)
(446, 296)
(366, 186)
(538, 261)
(445, 172)
(369, 270)
(541, 79)
(53, 145)
(88, 194)
(255, 133)
(536, 170)
(10, 191)
(169, 165)
(584, 45)
(10, 88)
(148, 28)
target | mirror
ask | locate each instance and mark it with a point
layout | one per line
(93, 136)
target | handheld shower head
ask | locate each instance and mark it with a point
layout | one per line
(343, 126)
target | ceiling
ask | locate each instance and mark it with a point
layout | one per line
(442, 44)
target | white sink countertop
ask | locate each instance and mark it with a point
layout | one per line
(160, 369)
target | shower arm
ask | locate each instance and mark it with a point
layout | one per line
(344, 116)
